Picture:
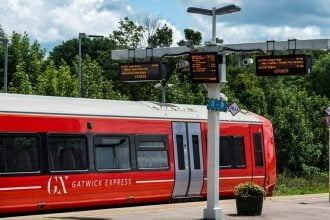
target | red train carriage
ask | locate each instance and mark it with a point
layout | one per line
(60, 153)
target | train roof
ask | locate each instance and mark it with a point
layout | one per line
(51, 105)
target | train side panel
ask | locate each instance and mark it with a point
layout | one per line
(258, 154)
(270, 156)
(94, 187)
(238, 167)
(28, 192)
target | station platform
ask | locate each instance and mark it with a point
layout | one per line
(300, 207)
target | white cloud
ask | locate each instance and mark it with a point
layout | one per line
(245, 33)
(274, 13)
(51, 21)
(255, 33)
(209, 3)
(129, 9)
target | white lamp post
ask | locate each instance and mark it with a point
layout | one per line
(214, 12)
(5, 69)
(80, 36)
(213, 210)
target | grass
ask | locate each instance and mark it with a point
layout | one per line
(288, 185)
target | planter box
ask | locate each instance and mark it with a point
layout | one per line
(249, 205)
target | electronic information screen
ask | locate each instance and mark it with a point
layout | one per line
(139, 72)
(204, 67)
(283, 65)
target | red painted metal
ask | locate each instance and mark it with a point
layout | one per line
(25, 193)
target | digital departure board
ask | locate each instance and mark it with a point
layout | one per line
(139, 71)
(284, 65)
(204, 67)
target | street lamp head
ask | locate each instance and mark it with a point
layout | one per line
(227, 9)
(219, 11)
(199, 11)
(214, 12)
(95, 36)
(82, 35)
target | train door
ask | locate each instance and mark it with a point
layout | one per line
(257, 149)
(188, 159)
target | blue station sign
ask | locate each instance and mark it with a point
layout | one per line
(217, 105)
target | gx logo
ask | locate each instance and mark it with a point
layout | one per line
(56, 185)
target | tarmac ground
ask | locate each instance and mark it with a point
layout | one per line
(300, 207)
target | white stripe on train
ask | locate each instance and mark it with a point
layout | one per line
(19, 188)
(138, 182)
(239, 177)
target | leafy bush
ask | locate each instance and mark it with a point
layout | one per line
(249, 189)
(292, 185)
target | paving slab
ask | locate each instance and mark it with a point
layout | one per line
(301, 207)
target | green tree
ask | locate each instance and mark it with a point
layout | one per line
(97, 49)
(191, 35)
(57, 82)
(21, 81)
(163, 37)
(91, 78)
(182, 91)
(110, 91)
(128, 35)
(320, 77)
(297, 115)
(297, 118)
(2, 35)
(149, 24)
(243, 87)
(66, 51)
(24, 57)
(194, 36)
(94, 84)
(2, 32)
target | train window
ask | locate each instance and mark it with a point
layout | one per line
(151, 152)
(239, 151)
(67, 152)
(112, 153)
(232, 154)
(19, 153)
(180, 149)
(225, 157)
(258, 154)
(195, 142)
(152, 159)
(151, 144)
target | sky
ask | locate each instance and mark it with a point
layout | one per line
(53, 21)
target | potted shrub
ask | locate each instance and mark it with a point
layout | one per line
(249, 198)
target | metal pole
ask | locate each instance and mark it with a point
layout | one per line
(329, 160)
(213, 211)
(79, 69)
(163, 82)
(214, 26)
(5, 77)
(163, 93)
